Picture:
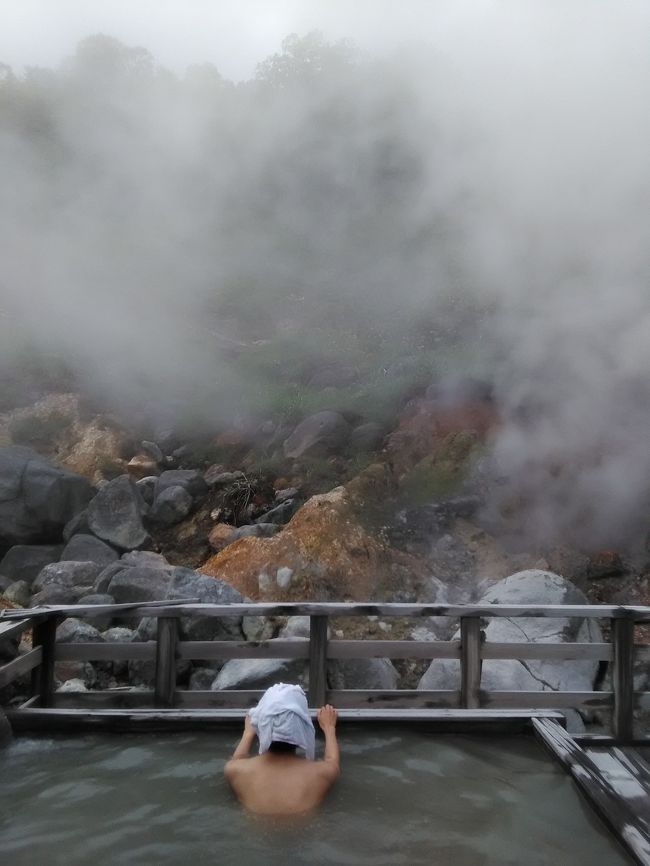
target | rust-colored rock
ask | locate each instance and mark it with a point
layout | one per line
(324, 553)
(427, 426)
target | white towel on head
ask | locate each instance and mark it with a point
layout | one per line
(282, 715)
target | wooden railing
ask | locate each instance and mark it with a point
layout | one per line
(471, 650)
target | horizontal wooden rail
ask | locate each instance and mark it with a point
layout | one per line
(296, 648)
(547, 651)
(116, 652)
(637, 613)
(20, 666)
(393, 649)
(11, 629)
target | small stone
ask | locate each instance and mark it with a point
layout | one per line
(283, 576)
(73, 685)
(153, 451)
(286, 493)
(265, 582)
(219, 536)
(190, 479)
(141, 466)
(74, 630)
(146, 488)
(280, 514)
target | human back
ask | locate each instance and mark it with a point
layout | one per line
(279, 781)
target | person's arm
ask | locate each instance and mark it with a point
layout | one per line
(243, 746)
(331, 758)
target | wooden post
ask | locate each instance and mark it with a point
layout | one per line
(470, 662)
(44, 635)
(166, 661)
(317, 660)
(622, 679)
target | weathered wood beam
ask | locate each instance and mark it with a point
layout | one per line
(547, 651)
(638, 613)
(44, 636)
(550, 699)
(622, 679)
(165, 687)
(20, 666)
(91, 651)
(470, 662)
(393, 649)
(605, 799)
(296, 648)
(317, 660)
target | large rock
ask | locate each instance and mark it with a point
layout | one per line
(18, 593)
(26, 561)
(533, 586)
(139, 583)
(115, 514)
(87, 548)
(190, 480)
(323, 433)
(186, 583)
(66, 575)
(77, 631)
(171, 506)
(326, 551)
(260, 673)
(362, 674)
(37, 498)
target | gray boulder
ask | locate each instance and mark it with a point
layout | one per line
(366, 437)
(57, 595)
(119, 634)
(260, 673)
(533, 586)
(146, 558)
(362, 674)
(74, 630)
(138, 583)
(25, 561)
(76, 684)
(201, 679)
(115, 514)
(18, 593)
(323, 433)
(37, 498)
(171, 506)
(186, 583)
(146, 488)
(67, 575)
(216, 477)
(105, 576)
(78, 523)
(280, 514)
(189, 479)
(101, 621)
(253, 530)
(87, 548)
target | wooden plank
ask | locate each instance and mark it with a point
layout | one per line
(44, 636)
(622, 679)
(393, 649)
(220, 698)
(613, 808)
(10, 629)
(67, 652)
(470, 662)
(406, 698)
(165, 678)
(638, 613)
(295, 648)
(317, 660)
(101, 700)
(561, 651)
(552, 700)
(48, 720)
(20, 666)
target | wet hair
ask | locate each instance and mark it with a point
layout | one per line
(279, 748)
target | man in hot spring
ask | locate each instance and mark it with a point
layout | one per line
(278, 781)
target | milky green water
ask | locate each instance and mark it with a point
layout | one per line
(405, 797)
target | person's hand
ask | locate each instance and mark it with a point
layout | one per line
(327, 716)
(249, 728)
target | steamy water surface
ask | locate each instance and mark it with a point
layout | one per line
(403, 798)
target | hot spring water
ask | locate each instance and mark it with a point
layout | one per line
(404, 797)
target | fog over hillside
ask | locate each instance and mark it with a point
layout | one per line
(472, 192)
